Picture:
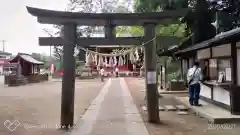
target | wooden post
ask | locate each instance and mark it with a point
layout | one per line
(234, 92)
(150, 70)
(161, 69)
(181, 60)
(165, 74)
(68, 82)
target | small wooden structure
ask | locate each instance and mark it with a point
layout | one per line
(219, 59)
(28, 64)
(27, 70)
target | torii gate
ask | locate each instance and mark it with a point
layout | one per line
(109, 20)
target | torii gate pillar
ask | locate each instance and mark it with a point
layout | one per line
(150, 73)
(68, 82)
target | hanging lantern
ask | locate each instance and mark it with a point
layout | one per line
(120, 61)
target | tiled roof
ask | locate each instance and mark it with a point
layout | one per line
(30, 59)
(218, 38)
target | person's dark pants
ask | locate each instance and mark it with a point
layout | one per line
(194, 92)
(116, 74)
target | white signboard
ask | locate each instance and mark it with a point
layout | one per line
(228, 73)
(151, 77)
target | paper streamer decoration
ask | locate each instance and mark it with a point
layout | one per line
(137, 54)
(115, 60)
(96, 59)
(120, 61)
(105, 61)
(131, 57)
(111, 62)
(100, 61)
(89, 59)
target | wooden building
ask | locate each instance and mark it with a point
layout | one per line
(219, 59)
(29, 65)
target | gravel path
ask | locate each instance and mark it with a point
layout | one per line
(37, 106)
(173, 124)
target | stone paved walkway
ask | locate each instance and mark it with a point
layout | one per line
(113, 112)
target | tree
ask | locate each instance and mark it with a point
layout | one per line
(89, 6)
(227, 14)
(197, 20)
(115, 6)
(202, 19)
(159, 5)
(43, 58)
(58, 52)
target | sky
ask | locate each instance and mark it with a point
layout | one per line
(20, 29)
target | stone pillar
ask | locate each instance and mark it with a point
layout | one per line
(150, 73)
(68, 81)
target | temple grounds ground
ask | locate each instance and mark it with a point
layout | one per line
(37, 109)
(37, 106)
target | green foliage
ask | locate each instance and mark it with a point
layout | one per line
(179, 30)
(136, 31)
(43, 58)
(159, 5)
(198, 21)
(171, 30)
